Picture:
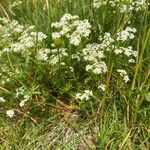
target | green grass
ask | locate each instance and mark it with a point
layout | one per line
(118, 118)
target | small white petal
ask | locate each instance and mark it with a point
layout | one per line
(2, 100)
(10, 113)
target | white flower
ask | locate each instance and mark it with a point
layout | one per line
(20, 91)
(84, 96)
(126, 78)
(57, 55)
(56, 35)
(16, 3)
(75, 40)
(118, 51)
(99, 67)
(72, 28)
(82, 27)
(26, 38)
(131, 60)
(76, 56)
(99, 3)
(94, 54)
(10, 113)
(42, 54)
(128, 51)
(71, 69)
(2, 100)
(123, 6)
(88, 67)
(62, 63)
(26, 98)
(41, 36)
(68, 17)
(102, 87)
(126, 34)
(135, 53)
(54, 59)
(88, 92)
(78, 96)
(6, 50)
(106, 40)
(124, 74)
(21, 104)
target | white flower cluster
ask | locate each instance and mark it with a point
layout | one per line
(42, 54)
(93, 54)
(124, 5)
(71, 27)
(27, 40)
(126, 34)
(22, 91)
(106, 41)
(57, 55)
(134, 5)
(84, 96)
(128, 51)
(124, 74)
(123, 36)
(17, 38)
(99, 3)
(21, 39)
(7, 27)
